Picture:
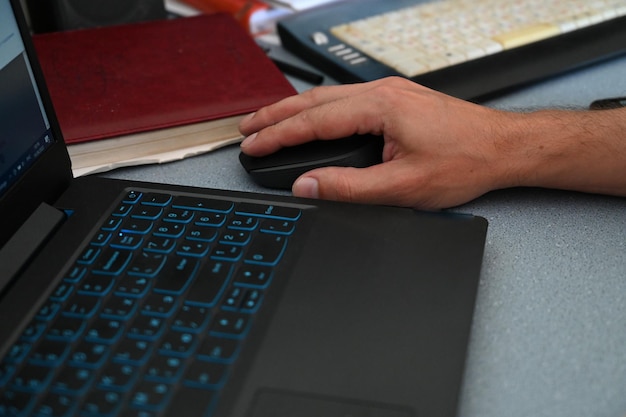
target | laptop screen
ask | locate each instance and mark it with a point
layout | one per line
(34, 164)
(24, 126)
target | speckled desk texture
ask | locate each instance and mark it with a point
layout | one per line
(549, 333)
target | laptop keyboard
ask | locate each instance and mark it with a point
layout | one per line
(153, 314)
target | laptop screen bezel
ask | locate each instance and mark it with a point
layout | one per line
(51, 174)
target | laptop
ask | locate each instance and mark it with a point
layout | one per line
(125, 298)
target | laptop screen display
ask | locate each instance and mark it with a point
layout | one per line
(24, 126)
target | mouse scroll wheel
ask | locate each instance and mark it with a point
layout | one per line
(319, 38)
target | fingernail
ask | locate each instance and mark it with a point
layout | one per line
(307, 187)
(247, 141)
(247, 118)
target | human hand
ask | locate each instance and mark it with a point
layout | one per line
(439, 151)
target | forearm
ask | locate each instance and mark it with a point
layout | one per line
(582, 151)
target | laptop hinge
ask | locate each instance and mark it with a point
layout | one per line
(26, 242)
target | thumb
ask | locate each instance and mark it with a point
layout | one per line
(361, 185)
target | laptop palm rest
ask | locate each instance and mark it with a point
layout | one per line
(367, 329)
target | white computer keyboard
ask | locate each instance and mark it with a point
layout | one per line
(429, 36)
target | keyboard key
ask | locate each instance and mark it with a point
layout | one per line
(171, 230)
(201, 233)
(177, 275)
(241, 222)
(126, 241)
(190, 248)
(34, 330)
(119, 308)
(230, 324)
(112, 261)
(242, 299)
(32, 378)
(89, 355)
(204, 374)
(210, 219)
(178, 215)
(203, 204)
(269, 211)
(282, 227)
(251, 300)
(139, 226)
(62, 291)
(233, 298)
(209, 284)
(112, 224)
(160, 244)
(103, 330)
(133, 286)
(17, 352)
(229, 253)
(96, 285)
(132, 197)
(123, 209)
(191, 319)
(76, 274)
(235, 237)
(72, 380)
(132, 352)
(49, 352)
(89, 255)
(526, 34)
(6, 372)
(219, 349)
(253, 275)
(266, 249)
(150, 395)
(146, 327)
(81, 306)
(55, 405)
(146, 264)
(156, 199)
(14, 403)
(177, 344)
(164, 369)
(66, 328)
(116, 376)
(99, 403)
(146, 212)
(49, 310)
(162, 305)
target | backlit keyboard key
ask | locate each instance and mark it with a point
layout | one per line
(266, 249)
(269, 211)
(210, 284)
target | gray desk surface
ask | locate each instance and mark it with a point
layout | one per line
(549, 336)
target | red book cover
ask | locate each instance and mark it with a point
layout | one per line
(116, 80)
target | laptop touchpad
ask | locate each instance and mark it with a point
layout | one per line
(278, 403)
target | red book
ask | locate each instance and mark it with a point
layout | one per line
(120, 80)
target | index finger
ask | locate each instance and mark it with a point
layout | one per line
(290, 106)
(331, 117)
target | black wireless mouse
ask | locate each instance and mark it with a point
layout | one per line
(282, 168)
